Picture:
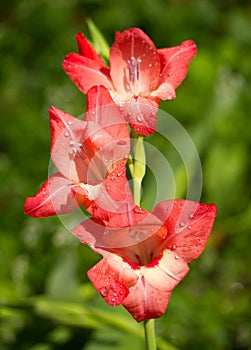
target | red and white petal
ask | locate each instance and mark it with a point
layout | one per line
(110, 200)
(86, 73)
(145, 301)
(102, 110)
(67, 135)
(188, 224)
(166, 272)
(133, 45)
(54, 198)
(165, 91)
(175, 61)
(86, 50)
(140, 113)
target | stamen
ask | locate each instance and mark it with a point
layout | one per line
(132, 64)
(138, 67)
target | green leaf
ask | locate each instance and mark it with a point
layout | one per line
(97, 40)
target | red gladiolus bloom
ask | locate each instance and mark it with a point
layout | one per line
(146, 259)
(90, 159)
(139, 74)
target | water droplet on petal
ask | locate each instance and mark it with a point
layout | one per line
(176, 257)
(174, 246)
(137, 210)
(182, 223)
(66, 133)
(121, 143)
(140, 117)
(150, 65)
(69, 122)
(73, 150)
(191, 215)
(104, 292)
(121, 104)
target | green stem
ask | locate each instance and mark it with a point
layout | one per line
(150, 334)
(137, 191)
(138, 168)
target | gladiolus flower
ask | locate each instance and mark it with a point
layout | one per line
(90, 156)
(146, 259)
(139, 75)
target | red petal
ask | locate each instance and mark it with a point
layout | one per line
(86, 73)
(134, 44)
(116, 233)
(102, 110)
(53, 198)
(150, 296)
(66, 136)
(188, 224)
(141, 113)
(113, 198)
(83, 151)
(175, 61)
(165, 91)
(111, 278)
(86, 50)
(145, 302)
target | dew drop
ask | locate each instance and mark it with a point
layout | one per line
(93, 112)
(73, 150)
(191, 216)
(66, 133)
(121, 104)
(104, 292)
(176, 257)
(121, 143)
(174, 246)
(120, 173)
(140, 117)
(182, 223)
(137, 210)
(150, 65)
(69, 122)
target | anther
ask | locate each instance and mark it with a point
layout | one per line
(133, 65)
(138, 67)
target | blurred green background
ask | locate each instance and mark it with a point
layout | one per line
(46, 301)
